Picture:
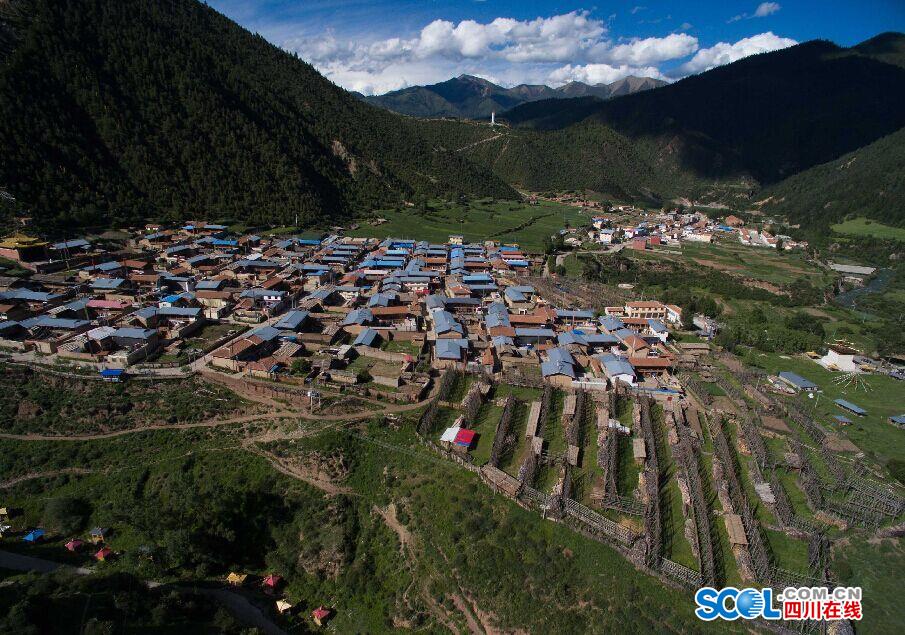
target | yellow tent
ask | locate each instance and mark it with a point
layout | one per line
(283, 606)
(236, 578)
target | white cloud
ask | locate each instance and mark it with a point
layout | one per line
(516, 50)
(569, 47)
(726, 53)
(766, 8)
(600, 73)
(653, 50)
(763, 10)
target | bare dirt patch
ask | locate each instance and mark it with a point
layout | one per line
(840, 444)
(724, 404)
(719, 266)
(391, 520)
(775, 423)
(819, 313)
(766, 286)
(322, 472)
(37, 475)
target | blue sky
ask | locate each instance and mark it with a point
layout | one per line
(375, 46)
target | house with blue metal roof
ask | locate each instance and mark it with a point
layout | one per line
(199, 260)
(292, 321)
(179, 250)
(76, 244)
(797, 383)
(210, 285)
(450, 352)
(55, 323)
(577, 339)
(574, 315)
(13, 333)
(657, 327)
(445, 325)
(616, 368)
(848, 405)
(482, 290)
(368, 337)
(382, 298)
(110, 284)
(269, 295)
(265, 333)
(494, 319)
(559, 367)
(358, 317)
(27, 295)
(104, 267)
(611, 324)
(519, 297)
(257, 265)
(132, 344)
(533, 336)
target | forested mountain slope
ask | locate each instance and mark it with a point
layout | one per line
(770, 115)
(116, 110)
(867, 182)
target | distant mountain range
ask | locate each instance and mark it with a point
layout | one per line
(470, 97)
(770, 124)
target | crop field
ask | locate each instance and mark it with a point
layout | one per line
(209, 334)
(483, 219)
(587, 471)
(869, 228)
(511, 461)
(485, 425)
(881, 395)
(675, 544)
(742, 261)
(401, 346)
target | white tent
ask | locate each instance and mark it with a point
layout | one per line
(450, 435)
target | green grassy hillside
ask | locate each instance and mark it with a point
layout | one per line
(447, 551)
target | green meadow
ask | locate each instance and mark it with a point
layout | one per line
(871, 229)
(476, 220)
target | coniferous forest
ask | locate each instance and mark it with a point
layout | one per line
(119, 110)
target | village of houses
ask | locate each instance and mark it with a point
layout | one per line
(332, 302)
(404, 321)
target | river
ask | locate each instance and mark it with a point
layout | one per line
(878, 283)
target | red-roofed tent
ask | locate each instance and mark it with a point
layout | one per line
(465, 437)
(320, 614)
(273, 581)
